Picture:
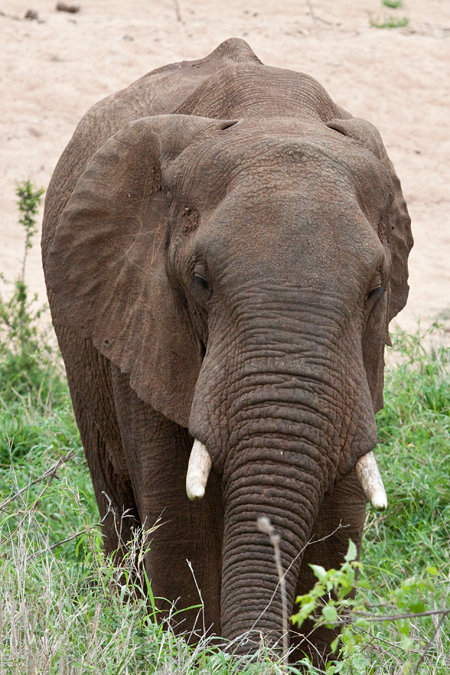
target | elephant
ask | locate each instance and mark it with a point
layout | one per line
(224, 248)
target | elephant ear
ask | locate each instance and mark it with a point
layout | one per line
(107, 265)
(398, 239)
(399, 236)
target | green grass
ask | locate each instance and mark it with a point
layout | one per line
(390, 22)
(414, 457)
(65, 610)
(392, 4)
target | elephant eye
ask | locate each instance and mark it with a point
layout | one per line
(376, 288)
(376, 293)
(201, 281)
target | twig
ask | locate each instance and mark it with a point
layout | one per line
(60, 543)
(50, 473)
(311, 11)
(33, 506)
(377, 638)
(292, 563)
(177, 10)
(439, 644)
(390, 617)
(265, 526)
(202, 608)
(396, 617)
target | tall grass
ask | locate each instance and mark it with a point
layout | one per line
(414, 533)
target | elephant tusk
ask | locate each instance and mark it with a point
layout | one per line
(371, 482)
(198, 471)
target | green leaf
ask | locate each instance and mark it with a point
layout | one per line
(352, 552)
(334, 645)
(319, 571)
(330, 614)
(432, 570)
(362, 623)
(406, 643)
(416, 606)
(304, 612)
(360, 663)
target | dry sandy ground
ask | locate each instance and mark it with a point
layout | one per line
(54, 69)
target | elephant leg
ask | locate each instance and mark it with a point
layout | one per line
(113, 492)
(157, 453)
(341, 517)
(89, 378)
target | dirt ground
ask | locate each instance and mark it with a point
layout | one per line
(55, 67)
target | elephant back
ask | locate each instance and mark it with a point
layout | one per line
(251, 90)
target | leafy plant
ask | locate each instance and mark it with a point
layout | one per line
(29, 365)
(28, 203)
(331, 603)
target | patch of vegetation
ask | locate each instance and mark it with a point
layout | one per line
(392, 4)
(29, 199)
(28, 366)
(389, 22)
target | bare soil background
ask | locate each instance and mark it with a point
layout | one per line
(54, 68)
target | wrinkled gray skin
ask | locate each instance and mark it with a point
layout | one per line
(224, 248)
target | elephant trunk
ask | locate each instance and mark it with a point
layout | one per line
(281, 461)
(288, 489)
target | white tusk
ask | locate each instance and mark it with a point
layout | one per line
(198, 471)
(371, 482)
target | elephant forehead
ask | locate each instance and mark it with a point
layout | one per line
(263, 158)
(290, 239)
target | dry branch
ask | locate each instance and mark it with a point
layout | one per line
(50, 474)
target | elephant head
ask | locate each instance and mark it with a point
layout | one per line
(243, 272)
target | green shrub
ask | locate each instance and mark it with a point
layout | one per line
(390, 22)
(393, 4)
(29, 365)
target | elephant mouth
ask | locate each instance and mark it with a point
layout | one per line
(366, 468)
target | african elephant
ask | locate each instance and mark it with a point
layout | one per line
(224, 248)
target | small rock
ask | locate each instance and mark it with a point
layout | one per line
(128, 38)
(72, 9)
(31, 15)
